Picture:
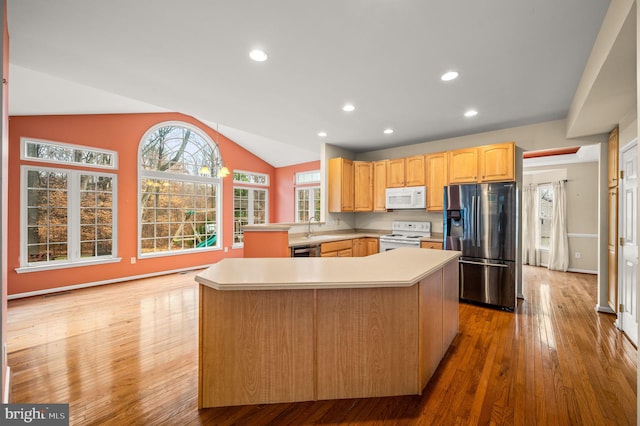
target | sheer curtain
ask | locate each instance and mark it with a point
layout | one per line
(529, 217)
(559, 242)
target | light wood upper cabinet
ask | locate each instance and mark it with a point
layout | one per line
(463, 165)
(363, 176)
(379, 186)
(436, 165)
(341, 185)
(487, 163)
(409, 171)
(414, 171)
(497, 162)
(613, 158)
(395, 173)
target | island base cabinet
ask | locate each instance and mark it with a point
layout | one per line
(255, 347)
(430, 326)
(367, 342)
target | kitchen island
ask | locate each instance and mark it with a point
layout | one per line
(301, 329)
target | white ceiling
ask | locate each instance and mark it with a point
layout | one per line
(519, 63)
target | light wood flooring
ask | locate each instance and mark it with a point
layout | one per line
(127, 354)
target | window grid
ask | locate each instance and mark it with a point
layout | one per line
(58, 152)
(179, 202)
(250, 207)
(307, 200)
(545, 214)
(68, 216)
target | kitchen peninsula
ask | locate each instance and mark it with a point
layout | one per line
(301, 329)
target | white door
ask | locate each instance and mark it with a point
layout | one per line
(628, 249)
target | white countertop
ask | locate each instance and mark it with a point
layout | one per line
(401, 267)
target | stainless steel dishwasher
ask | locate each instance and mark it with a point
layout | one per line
(308, 250)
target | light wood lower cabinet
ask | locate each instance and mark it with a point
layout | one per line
(273, 346)
(342, 248)
(365, 246)
(431, 245)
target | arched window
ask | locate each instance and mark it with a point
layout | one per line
(179, 198)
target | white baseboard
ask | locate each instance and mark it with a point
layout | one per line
(583, 271)
(97, 283)
(605, 310)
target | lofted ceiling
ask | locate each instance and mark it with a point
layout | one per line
(519, 63)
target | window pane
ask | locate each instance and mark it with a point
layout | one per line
(545, 212)
(58, 152)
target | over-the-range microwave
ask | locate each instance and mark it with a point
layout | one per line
(410, 197)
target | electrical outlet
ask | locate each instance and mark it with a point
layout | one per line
(578, 255)
(226, 249)
(133, 260)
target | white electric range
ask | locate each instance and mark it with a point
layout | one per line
(405, 234)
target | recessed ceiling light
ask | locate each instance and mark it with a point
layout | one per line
(258, 55)
(348, 107)
(388, 131)
(448, 76)
(322, 134)
(471, 113)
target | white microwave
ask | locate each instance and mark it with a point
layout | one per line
(410, 197)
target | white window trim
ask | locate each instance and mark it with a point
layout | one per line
(24, 157)
(250, 209)
(153, 174)
(73, 208)
(309, 188)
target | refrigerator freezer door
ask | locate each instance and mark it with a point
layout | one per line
(468, 213)
(496, 221)
(489, 282)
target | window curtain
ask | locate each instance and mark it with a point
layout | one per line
(559, 242)
(530, 255)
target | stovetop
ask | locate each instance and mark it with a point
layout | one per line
(404, 230)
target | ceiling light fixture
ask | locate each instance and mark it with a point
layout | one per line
(471, 113)
(258, 55)
(348, 107)
(388, 131)
(322, 134)
(450, 75)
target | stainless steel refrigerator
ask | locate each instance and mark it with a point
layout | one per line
(480, 221)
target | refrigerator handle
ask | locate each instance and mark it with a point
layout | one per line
(473, 221)
(477, 221)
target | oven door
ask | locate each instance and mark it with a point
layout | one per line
(386, 244)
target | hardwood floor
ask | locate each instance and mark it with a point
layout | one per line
(127, 354)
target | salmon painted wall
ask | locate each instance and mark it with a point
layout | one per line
(121, 133)
(285, 190)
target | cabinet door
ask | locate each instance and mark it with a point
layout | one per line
(436, 165)
(345, 253)
(372, 246)
(395, 173)
(359, 247)
(341, 190)
(379, 186)
(497, 162)
(363, 186)
(463, 165)
(414, 171)
(613, 158)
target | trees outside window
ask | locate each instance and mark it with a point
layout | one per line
(250, 203)
(307, 196)
(179, 193)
